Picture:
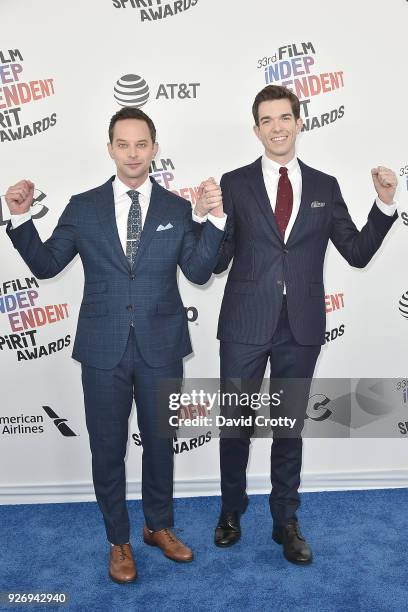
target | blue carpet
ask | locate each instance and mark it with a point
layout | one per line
(358, 539)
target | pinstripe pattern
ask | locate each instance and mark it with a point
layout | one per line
(262, 262)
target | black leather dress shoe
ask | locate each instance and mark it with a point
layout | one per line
(295, 548)
(228, 530)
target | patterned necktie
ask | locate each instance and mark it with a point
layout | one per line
(134, 227)
(284, 201)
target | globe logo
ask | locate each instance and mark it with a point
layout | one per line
(131, 90)
(403, 305)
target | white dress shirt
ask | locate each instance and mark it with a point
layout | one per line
(270, 171)
(123, 203)
(217, 221)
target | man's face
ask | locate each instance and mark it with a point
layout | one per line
(132, 150)
(278, 129)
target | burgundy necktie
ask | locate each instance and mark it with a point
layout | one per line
(284, 201)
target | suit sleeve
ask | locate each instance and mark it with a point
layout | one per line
(228, 246)
(357, 247)
(200, 250)
(49, 258)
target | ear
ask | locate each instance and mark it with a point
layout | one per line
(299, 125)
(155, 149)
(110, 150)
(256, 131)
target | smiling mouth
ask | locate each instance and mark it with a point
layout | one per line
(279, 138)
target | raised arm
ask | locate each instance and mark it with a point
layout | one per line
(201, 248)
(45, 259)
(358, 247)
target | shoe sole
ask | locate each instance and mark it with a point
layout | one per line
(278, 540)
(298, 562)
(228, 544)
(168, 557)
(122, 581)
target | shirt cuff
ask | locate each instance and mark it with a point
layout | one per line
(17, 220)
(198, 219)
(387, 209)
(219, 222)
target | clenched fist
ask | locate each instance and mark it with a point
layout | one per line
(209, 199)
(19, 197)
(385, 183)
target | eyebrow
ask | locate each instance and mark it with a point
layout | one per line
(280, 116)
(138, 141)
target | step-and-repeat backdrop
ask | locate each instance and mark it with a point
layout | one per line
(195, 66)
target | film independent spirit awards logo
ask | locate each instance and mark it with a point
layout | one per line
(155, 10)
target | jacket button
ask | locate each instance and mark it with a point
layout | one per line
(285, 251)
(132, 277)
(129, 307)
(279, 282)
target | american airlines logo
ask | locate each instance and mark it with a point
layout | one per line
(60, 424)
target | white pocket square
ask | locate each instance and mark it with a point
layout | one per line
(317, 204)
(161, 228)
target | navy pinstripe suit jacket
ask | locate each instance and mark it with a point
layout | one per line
(114, 294)
(263, 263)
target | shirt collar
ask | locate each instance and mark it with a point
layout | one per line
(120, 189)
(273, 166)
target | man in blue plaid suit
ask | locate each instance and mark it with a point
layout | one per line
(131, 235)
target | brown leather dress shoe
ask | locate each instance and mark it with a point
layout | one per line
(171, 546)
(122, 567)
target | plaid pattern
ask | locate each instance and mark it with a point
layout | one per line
(116, 295)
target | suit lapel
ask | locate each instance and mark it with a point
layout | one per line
(105, 207)
(306, 198)
(257, 185)
(106, 212)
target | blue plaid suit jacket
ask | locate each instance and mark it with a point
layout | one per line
(116, 296)
(263, 263)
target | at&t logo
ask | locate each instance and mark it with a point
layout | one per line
(403, 305)
(133, 90)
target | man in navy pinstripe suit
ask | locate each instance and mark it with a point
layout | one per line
(280, 216)
(131, 235)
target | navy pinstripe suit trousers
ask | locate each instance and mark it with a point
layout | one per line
(288, 359)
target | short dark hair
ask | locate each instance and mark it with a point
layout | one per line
(275, 92)
(131, 112)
